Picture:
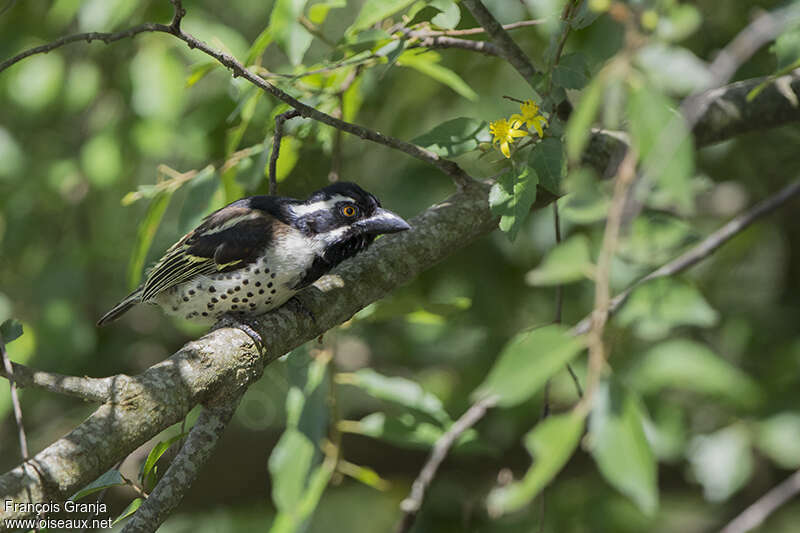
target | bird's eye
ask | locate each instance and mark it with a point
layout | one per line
(349, 211)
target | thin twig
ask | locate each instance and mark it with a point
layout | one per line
(602, 292)
(511, 51)
(23, 440)
(447, 166)
(566, 25)
(442, 41)
(106, 37)
(412, 504)
(479, 30)
(754, 516)
(336, 151)
(703, 249)
(276, 148)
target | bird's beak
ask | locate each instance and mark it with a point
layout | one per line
(382, 221)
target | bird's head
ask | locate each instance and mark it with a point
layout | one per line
(346, 218)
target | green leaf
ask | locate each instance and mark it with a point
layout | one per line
(654, 238)
(778, 437)
(319, 12)
(655, 127)
(148, 476)
(527, 362)
(392, 52)
(285, 29)
(683, 364)
(129, 510)
(199, 71)
(144, 236)
(261, 43)
(585, 201)
(571, 72)
(673, 69)
(293, 463)
(512, 196)
(619, 446)
(787, 48)
(196, 205)
(580, 122)
(551, 444)
(112, 478)
(566, 262)
(722, 461)
(681, 21)
(398, 390)
(585, 16)
(289, 465)
(547, 159)
(406, 430)
(428, 63)
(454, 137)
(374, 11)
(10, 330)
(450, 14)
(658, 306)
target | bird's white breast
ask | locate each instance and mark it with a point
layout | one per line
(252, 290)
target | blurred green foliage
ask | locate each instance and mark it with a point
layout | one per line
(108, 154)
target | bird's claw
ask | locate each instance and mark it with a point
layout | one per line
(232, 321)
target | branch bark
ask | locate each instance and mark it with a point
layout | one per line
(225, 361)
(195, 452)
(91, 389)
(754, 516)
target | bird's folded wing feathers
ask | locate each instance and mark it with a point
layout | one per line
(228, 239)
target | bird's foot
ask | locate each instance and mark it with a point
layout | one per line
(233, 321)
(298, 303)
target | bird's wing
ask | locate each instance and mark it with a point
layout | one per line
(228, 239)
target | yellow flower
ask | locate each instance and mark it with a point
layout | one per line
(531, 117)
(504, 132)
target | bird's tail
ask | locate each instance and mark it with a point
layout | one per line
(121, 308)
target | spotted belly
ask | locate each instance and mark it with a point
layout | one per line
(249, 291)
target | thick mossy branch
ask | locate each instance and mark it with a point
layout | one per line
(223, 362)
(728, 112)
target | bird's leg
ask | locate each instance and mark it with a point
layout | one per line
(230, 320)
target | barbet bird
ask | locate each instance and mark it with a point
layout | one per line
(256, 253)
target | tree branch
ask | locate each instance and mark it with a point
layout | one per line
(412, 504)
(500, 37)
(727, 114)
(195, 452)
(754, 516)
(91, 389)
(448, 167)
(225, 360)
(478, 31)
(702, 250)
(88, 37)
(9, 372)
(443, 41)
